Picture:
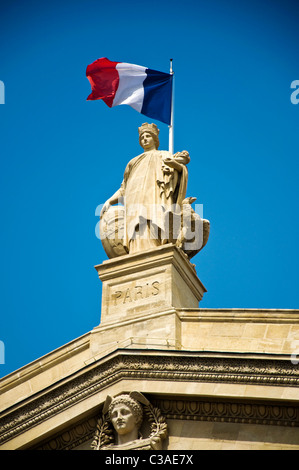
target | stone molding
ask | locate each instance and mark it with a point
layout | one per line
(45, 363)
(71, 437)
(73, 348)
(230, 411)
(258, 369)
(239, 315)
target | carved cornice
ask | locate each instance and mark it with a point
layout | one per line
(146, 365)
(240, 315)
(230, 411)
(71, 437)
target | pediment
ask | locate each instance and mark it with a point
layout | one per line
(197, 386)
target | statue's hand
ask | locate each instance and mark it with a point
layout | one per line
(172, 163)
(155, 443)
(182, 157)
(183, 153)
(105, 208)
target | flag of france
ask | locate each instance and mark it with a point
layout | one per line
(147, 91)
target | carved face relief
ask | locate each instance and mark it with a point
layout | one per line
(123, 420)
(126, 413)
(147, 141)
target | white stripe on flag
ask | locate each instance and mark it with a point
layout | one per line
(130, 89)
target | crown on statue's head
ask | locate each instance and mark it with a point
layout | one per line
(146, 127)
(152, 129)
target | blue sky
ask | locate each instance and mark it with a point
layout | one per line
(62, 156)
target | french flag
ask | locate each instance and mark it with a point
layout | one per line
(147, 91)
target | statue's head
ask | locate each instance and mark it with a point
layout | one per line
(125, 413)
(151, 129)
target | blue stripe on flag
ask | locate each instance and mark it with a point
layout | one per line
(157, 96)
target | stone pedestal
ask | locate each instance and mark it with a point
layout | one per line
(148, 282)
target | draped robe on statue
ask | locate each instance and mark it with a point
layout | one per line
(150, 189)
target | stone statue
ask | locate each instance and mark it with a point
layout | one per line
(155, 209)
(126, 413)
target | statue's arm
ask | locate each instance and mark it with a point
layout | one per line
(169, 161)
(178, 160)
(117, 197)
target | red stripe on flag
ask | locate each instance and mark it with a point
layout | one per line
(104, 80)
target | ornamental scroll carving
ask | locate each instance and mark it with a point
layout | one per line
(129, 422)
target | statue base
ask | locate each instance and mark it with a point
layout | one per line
(148, 282)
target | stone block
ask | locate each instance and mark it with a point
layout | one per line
(149, 281)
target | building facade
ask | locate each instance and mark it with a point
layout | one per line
(215, 378)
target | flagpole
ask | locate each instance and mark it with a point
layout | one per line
(171, 119)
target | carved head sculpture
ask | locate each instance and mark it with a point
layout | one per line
(152, 129)
(125, 412)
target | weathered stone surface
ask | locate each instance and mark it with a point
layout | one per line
(153, 208)
(149, 281)
(242, 389)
